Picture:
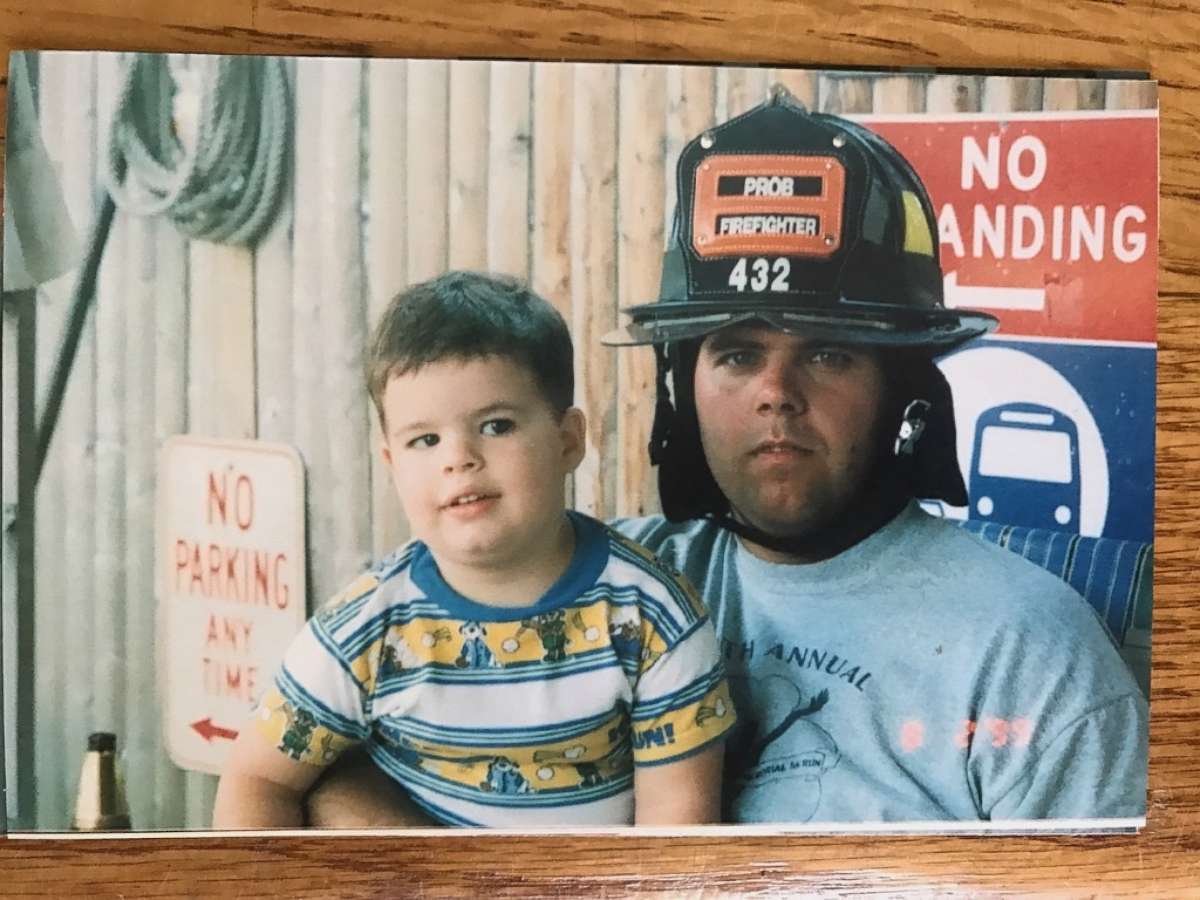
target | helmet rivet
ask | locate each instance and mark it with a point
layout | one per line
(839, 140)
(706, 140)
(829, 239)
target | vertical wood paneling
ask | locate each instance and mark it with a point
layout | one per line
(691, 108)
(1072, 93)
(845, 94)
(508, 169)
(309, 354)
(953, 93)
(427, 174)
(1004, 94)
(170, 418)
(77, 422)
(273, 322)
(343, 316)
(468, 159)
(553, 153)
(105, 642)
(641, 193)
(386, 240)
(141, 726)
(743, 89)
(898, 93)
(1131, 95)
(593, 279)
(55, 93)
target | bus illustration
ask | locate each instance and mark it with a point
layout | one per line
(1025, 467)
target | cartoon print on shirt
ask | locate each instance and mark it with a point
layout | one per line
(503, 777)
(625, 632)
(551, 630)
(475, 653)
(298, 732)
(781, 747)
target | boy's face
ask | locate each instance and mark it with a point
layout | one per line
(479, 458)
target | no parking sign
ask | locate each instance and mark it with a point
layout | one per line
(231, 561)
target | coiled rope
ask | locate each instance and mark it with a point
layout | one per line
(223, 184)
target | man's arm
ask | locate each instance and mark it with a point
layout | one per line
(685, 792)
(1095, 768)
(355, 793)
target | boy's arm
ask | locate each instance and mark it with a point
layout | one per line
(684, 792)
(261, 787)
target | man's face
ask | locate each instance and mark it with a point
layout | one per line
(789, 425)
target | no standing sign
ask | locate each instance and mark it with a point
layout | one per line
(231, 561)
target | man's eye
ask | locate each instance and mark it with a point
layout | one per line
(496, 427)
(736, 358)
(832, 359)
(424, 440)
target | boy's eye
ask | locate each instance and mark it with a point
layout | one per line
(424, 440)
(496, 427)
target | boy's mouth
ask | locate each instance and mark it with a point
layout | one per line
(468, 499)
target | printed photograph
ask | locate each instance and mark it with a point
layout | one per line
(428, 444)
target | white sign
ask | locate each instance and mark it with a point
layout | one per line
(231, 561)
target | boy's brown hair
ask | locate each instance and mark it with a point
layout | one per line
(471, 315)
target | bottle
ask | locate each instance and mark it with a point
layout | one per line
(100, 801)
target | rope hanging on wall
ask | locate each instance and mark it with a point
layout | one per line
(205, 141)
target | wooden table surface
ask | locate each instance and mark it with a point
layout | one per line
(1159, 36)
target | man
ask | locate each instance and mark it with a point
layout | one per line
(887, 666)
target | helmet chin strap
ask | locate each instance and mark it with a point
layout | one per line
(876, 505)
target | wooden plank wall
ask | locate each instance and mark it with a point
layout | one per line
(559, 174)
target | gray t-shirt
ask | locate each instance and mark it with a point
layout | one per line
(922, 674)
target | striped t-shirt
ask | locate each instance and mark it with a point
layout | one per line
(500, 716)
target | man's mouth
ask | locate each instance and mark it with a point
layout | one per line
(778, 448)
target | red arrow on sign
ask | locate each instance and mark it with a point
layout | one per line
(207, 730)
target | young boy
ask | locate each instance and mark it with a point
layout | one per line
(516, 664)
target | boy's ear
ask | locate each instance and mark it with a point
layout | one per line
(385, 453)
(573, 429)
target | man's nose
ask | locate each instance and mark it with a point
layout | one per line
(781, 388)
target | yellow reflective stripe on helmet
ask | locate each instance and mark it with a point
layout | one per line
(917, 238)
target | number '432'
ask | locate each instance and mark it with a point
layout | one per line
(761, 274)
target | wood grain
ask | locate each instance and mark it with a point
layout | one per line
(1140, 35)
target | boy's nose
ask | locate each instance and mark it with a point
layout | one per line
(462, 457)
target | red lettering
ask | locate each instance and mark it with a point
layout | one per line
(281, 588)
(231, 576)
(965, 731)
(197, 571)
(214, 567)
(216, 494)
(225, 679)
(262, 591)
(181, 561)
(912, 735)
(246, 507)
(211, 637)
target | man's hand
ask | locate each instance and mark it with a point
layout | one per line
(354, 793)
